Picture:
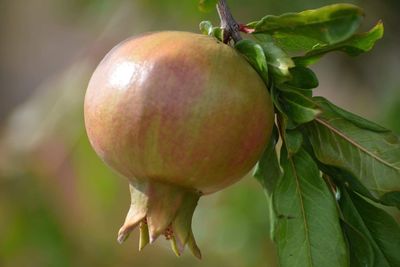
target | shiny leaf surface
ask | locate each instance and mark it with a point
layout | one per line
(306, 30)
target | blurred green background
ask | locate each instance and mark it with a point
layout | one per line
(60, 205)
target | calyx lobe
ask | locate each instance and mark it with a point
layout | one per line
(161, 209)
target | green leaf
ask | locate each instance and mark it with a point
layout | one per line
(303, 77)
(355, 119)
(307, 232)
(391, 198)
(381, 230)
(342, 176)
(370, 157)
(268, 170)
(218, 33)
(206, 27)
(278, 60)
(207, 5)
(312, 28)
(356, 45)
(275, 95)
(294, 140)
(305, 92)
(360, 250)
(298, 107)
(254, 54)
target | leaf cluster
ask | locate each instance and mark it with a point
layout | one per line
(332, 171)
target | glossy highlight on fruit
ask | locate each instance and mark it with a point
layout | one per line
(180, 115)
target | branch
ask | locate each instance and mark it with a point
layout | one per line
(229, 25)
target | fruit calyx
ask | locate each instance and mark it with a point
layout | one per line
(161, 209)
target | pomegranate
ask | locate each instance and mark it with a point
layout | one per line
(180, 115)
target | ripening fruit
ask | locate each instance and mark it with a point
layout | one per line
(180, 115)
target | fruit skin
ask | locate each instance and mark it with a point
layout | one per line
(176, 110)
(180, 108)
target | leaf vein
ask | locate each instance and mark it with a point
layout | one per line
(303, 212)
(354, 143)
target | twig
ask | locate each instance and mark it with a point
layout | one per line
(228, 23)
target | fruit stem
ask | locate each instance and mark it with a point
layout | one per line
(229, 25)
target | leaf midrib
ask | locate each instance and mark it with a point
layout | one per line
(354, 143)
(303, 212)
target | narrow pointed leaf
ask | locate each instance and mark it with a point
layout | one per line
(381, 230)
(360, 250)
(367, 156)
(311, 28)
(307, 232)
(254, 54)
(356, 45)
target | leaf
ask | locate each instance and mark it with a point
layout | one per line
(218, 33)
(268, 170)
(207, 5)
(312, 28)
(391, 198)
(355, 119)
(307, 232)
(206, 27)
(254, 54)
(298, 107)
(278, 60)
(305, 92)
(275, 98)
(343, 176)
(303, 77)
(368, 157)
(381, 230)
(356, 45)
(360, 250)
(294, 140)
